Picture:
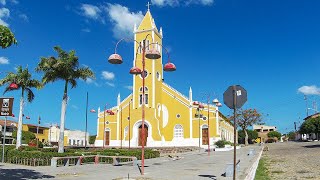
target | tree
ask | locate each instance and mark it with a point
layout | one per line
(26, 136)
(246, 118)
(291, 135)
(20, 81)
(311, 126)
(92, 139)
(66, 68)
(252, 136)
(6, 37)
(274, 134)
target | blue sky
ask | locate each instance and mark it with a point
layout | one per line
(271, 48)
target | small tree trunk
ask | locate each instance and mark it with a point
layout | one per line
(19, 131)
(246, 137)
(62, 120)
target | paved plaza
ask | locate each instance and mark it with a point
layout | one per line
(192, 165)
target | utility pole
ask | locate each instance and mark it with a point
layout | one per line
(306, 99)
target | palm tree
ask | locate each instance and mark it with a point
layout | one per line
(6, 37)
(66, 68)
(20, 81)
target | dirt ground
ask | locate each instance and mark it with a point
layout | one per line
(293, 160)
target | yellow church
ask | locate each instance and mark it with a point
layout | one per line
(171, 119)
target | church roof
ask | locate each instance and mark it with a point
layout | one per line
(147, 22)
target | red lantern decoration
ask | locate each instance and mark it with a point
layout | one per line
(169, 67)
(201, 106)
(153, 54)
(115, 59)
(196, 103)
(92, 110)
(111, 113)
(27, 117)
(135, 70)
(13, 86)
(108, 111)
(13, 115)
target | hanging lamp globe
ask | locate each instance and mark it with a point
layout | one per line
(111, 113)
(13, 86)
(153, 54)
(135, 70)
(108, 111)
(196, 103)
(115, 59)
(201, 106)
(169, 67)
(215, 101)
(219, 104)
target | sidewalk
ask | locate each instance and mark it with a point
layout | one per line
(188, 166)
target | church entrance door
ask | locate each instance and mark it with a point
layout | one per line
(205, 138)
(107, 140)
(145, 135)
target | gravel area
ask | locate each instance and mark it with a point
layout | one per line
(293, 160)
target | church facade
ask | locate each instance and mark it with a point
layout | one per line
(171, 119)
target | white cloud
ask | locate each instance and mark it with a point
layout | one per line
(24, 17)
(3, 2)
(107, 75)
(110, 84)
(87, 30)
(129, 87)
(89, 81)
(4, 14)
(90, 11)
(309, 90)
(173, 3)
(4, 60)
(123, 20)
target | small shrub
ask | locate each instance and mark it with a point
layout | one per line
(220, 144)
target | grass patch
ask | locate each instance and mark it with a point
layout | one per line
(262, 171)
(277, 172)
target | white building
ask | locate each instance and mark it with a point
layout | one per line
(71, 137)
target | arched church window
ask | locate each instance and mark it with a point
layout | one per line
(178, 131)
(145, 89)
(145, 99)
(145, 72)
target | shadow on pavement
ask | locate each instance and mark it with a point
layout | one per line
(21, 174)
(312, 146)
(208, 176)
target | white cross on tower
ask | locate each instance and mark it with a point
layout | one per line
(148, 5)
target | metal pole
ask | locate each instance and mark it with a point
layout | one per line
(208, 128)
(121, 128)
(104, 126)
(38, 132)
(199, 127)
(85, 136)
(306, 99)
(234, 132)
(143, 107)
(129, 122)
(4, 137)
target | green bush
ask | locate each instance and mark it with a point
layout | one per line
(274, 134)
(26, 136)
(92, 139)
(41, 156)
(220, 144)
(252, 136)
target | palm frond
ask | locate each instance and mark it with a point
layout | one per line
(73, 83)
(7, 89)
(29, 94)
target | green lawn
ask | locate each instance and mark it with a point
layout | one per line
(262, 171)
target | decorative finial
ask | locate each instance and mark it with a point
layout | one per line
(148, 5)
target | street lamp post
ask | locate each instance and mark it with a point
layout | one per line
(153, 54)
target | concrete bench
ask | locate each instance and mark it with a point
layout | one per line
(116, 159)
(66, 160)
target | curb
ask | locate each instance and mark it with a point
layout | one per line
(252, 171)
